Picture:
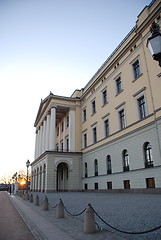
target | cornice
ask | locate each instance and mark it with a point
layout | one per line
(137, 30)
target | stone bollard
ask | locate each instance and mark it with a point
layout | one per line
(31, 198)
(46, 204)
(37, 200)
(89, 220)
(60, 210)
(24, 197)
(27, 196)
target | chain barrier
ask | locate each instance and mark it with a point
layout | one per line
(114, 228)
(126, 232)
(53, 206)
(74, 215)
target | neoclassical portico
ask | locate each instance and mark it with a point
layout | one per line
(55, 142)
(46, 133)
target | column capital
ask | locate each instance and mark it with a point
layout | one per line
(72, 108)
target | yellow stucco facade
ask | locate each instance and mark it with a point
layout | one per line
(108, 134)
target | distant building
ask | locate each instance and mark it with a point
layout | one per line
(108, 134)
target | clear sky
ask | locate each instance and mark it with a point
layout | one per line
(51, 45)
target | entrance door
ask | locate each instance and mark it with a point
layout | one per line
(62, 177)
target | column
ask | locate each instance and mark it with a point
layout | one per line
(52, 129)
(47, 132)
(72, 130)
(44, 136)
(36, 144)
(40, 141)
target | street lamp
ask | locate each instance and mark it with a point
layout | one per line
(27, 165)
(154, 43)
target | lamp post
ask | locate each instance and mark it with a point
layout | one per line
(27, 165)
(154, 43)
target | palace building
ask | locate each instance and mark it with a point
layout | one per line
(106, 136)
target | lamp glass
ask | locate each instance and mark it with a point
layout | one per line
(154, 44)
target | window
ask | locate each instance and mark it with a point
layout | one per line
(85, 170)
(136, 69)
(57, 147)
(94, 135)
(84, 115)
(95, 167)
(109, 166)
(126, 184)
(109, 185)
(57, 131)
(62, 126)
(125, 160)
(67, 122)
(96, 186)
(93, 107)
(67, 144)
(118, 85)
(122, 119)
(148, 155)
(142, 107)
(150, 182)
(106, 128)
(104, 97)
(85, 140)
(62, 146)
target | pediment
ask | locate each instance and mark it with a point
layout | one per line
(43, 106)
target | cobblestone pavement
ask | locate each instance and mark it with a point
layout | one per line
(127, 212)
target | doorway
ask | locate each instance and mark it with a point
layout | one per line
(62, 177)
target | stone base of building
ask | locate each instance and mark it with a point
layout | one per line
(136, 190)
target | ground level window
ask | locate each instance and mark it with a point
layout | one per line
(126, 184)
(85, 186)
(109, 185)
(150, 182)
(96, 186)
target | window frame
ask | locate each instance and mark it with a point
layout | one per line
(62, 126)
(142, 107)
(109, 185)
(118, 84)
(106, 128)
(85, 170)
(93, 106)
(104, 97)
(95, 167)
(85, 139)
(150, 182)
(67, 122)
(109, 164)
(84, 114)
(94, 133)
(122, 118)
(125, 156)
(126, 184)
(135, 70)
(148, 156)
(67, 144)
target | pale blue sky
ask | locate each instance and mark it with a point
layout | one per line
(51, 45)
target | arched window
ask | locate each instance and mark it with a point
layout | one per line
(125, 156)
(109, 166)
(148, 155)
(86, 170)
(96, 167)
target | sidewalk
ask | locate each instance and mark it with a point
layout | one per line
(45, 226)
(12, 225)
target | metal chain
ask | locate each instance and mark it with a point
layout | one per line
(143, 232)
(74, 215)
